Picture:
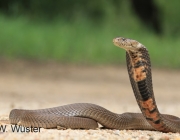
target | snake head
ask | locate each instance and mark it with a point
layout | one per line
(127, 44)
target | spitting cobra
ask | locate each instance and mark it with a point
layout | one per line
(87, 116)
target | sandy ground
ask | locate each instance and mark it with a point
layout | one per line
(36, 85)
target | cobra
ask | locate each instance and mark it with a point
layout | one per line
(87, 116)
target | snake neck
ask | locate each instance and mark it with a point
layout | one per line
(139, 68)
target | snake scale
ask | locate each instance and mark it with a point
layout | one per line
(87, 116)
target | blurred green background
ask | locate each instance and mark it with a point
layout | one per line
(81, 32)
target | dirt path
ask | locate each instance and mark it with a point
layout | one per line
(34, 86)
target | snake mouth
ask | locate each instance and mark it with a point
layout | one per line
(115, 41)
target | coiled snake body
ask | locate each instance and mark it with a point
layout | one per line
(85, 115)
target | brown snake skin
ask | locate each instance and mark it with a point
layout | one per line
(85, 115)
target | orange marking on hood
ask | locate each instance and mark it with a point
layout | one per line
(149, 104)
(139, 75)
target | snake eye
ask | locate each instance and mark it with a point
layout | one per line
(123, 39)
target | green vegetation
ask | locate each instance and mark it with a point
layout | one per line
(82, 41)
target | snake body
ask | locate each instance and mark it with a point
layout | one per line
(87, 116)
